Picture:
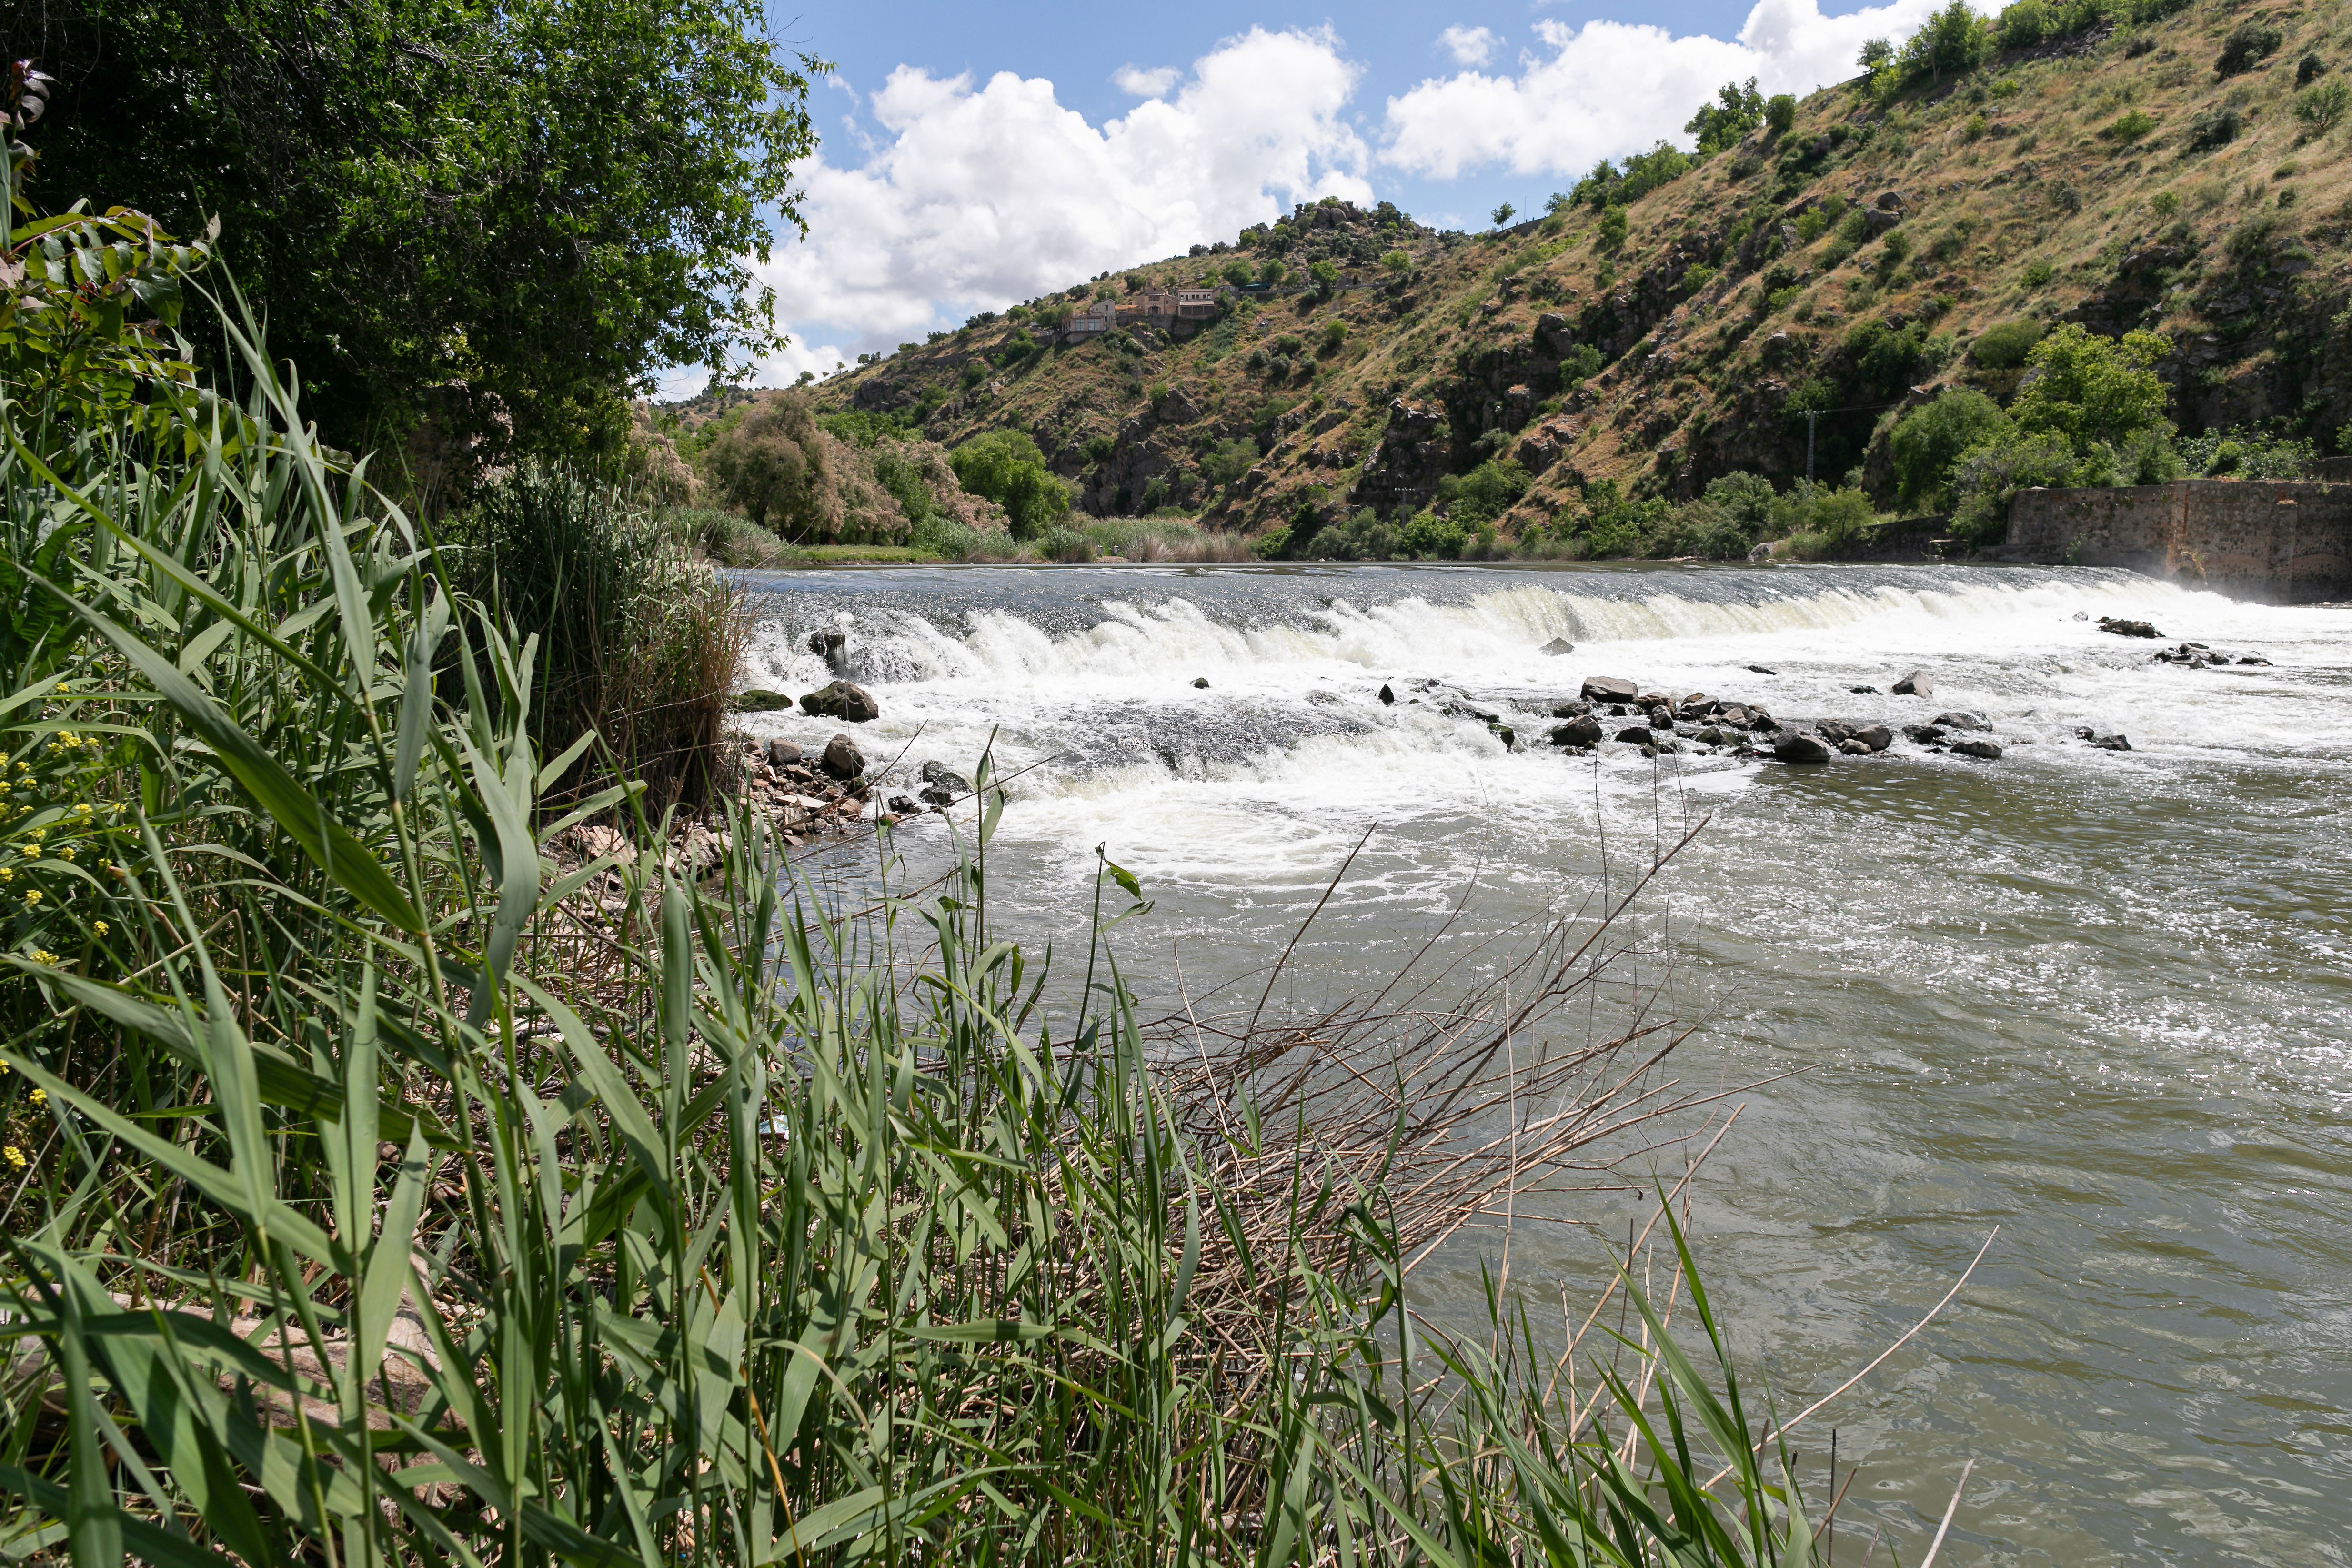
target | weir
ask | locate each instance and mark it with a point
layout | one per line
(2278, 542)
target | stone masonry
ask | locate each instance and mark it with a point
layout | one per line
(2284, 542)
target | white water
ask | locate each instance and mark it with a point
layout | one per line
(2097, 999)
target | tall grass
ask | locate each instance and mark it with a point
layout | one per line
(391, 1195)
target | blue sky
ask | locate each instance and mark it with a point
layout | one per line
(973, 156)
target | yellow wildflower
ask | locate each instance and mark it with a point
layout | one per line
(66, 854)
(7, 874)
(15, 1156)
(43, 955)
(32, 850)
(100, 927)
(40, 1096)
(32, 895)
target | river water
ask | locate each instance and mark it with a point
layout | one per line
(2097, 1000)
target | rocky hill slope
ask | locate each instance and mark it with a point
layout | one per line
(2125, 169)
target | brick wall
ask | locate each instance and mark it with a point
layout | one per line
(2288, 543)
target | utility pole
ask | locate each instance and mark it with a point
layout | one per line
(1812, 420)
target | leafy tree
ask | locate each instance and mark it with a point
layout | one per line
(1503, 214)
(1954, 42)
(1397, 261)
(1612, 228)
(1485, 493)
(1229, 460)
(2323, 105)
(1780, 113)
(772, 463)
(2248, 43)
(2089, 388)
(1326, 276)
(1930, 440)
(1557, 203)
(1735, 112)
(1746, 498)
(1271, 273)
(1238, 273)
(489, 211)
(1875, 52)
(1005, 466)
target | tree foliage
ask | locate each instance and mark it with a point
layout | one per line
(772, 463)
(2089, 388)
(539, 201)
(1930, 440)
(1005, 466)
(1737, 111)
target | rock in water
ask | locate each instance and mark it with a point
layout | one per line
(1925, 734)
(1388, 698)
(1201, 682)
(1763, 669)
(1877, 737)
(1915, 684)
(842, 701)
(903, 806)
(1608, 689)
(843, 760)
(2123, 628)
(1583, 730)
(1836, 732)
(758, 700)
(1853, 748)
(945, 777)
(1959, 719)
(1635, 734)
(1796, 746)
(1989, 751)
(2104, 741)
(783, 753)
(1556, 646)
(1571, 709)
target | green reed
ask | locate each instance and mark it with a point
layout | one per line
(393, 1191)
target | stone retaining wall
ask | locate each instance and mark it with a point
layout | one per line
(2254, 540)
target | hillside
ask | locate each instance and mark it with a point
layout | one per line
(2104, 172)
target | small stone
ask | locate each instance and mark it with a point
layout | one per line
(1762, 669)
(1582, 731)
(2118, 627)
(1864, 690)
(1915, 684)
(842, 701)
(1853, 748)
(939, 773)
(1572, 708)
(1388, 698)
(759, 700)
(1836, 730)
(1989, 750)
(1877, 737)
(903, 806)
(1201, 682)
(1796, 746)
(1960, 719)
(2100, 739)
(1635, 734)
(937, 796)
(1711, 736)
(783, 753)
(2251, 658)
(1556, 646)
(843, 760)
(1925, 734)
(1608, 689)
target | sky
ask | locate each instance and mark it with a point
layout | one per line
(972, 156)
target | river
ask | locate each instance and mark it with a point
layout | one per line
(2096, 999)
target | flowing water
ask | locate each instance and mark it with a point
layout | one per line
(2097, 999)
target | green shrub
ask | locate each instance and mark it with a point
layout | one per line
(1735, 112)
(1928, 442)
(2128, 128)
(2086, 388)
(2248, 43)
(2242, 453)
(1780, 113)
(2322, 106)
(772, 463)
(1809, 226)
(1987, 476)
(2038, 273)
(2004, 347)
(2024, 24)
(1333, 336)
(1579, 363)
(1005, 466)
(2212, 128)
(1612, 233)
(1484, 493)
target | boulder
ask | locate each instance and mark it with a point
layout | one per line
(1571, 709)
(1960, 719)
(1796, 746)
(853, 704)
(1608, 689)
(1989, 751)
(843, 760)
(1583, 730)
(1925, 734)
(1864, 690)
(1875, 737)
(1651, 702)
(1711, 736)
(1200, 683)
(1556, 646)
(1836, 730)
(1734, 714)
(1635, 734)
(1662, 718)
(2104, 741)
(2116, 626)
(903, 806)
(2251, 658)
(1853, 748)
(939, 773)
(783, 753)
(1388, 698)
(758, 700)
(1915, 684)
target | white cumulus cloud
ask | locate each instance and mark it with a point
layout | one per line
(1152, 83)
(1468, 46)
(1610, 87)
(973, 197)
